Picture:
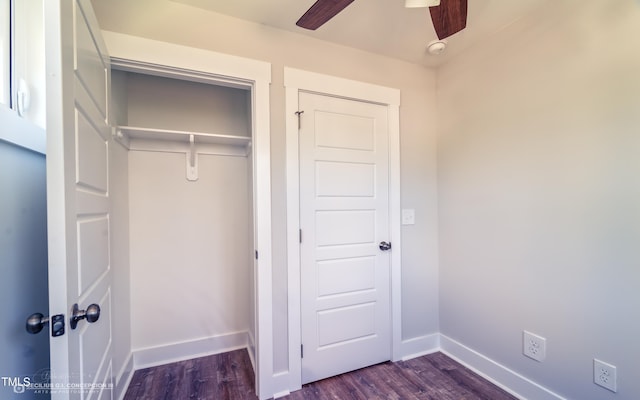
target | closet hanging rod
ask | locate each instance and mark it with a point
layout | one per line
(183, 136)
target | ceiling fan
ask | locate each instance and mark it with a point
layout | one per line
(448, 16)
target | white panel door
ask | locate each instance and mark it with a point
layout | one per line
(344, 215)
(78, 198)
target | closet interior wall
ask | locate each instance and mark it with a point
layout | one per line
(191, 241)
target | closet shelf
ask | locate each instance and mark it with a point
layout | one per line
(172, 141)
(133, 133)
(191, 144)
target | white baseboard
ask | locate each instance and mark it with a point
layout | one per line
(510, 381)
(281, 384)
(159, 355)
(123, 378)
(251, 349)
(420, 346)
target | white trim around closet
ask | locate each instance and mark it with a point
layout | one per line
(298, 80)
(166, 59)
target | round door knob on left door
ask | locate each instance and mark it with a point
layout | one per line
(91, 314)
(36, 322)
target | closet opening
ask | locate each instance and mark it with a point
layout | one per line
(190, 181)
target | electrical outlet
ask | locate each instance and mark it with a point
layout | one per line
(534, 346)
(605, 375)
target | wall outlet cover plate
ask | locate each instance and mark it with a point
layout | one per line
(605, 375)
(534, 346)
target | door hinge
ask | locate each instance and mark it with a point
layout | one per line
(300, 235)
(298, 114)
(301, 351)
(256, 254)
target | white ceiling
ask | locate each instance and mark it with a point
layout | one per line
(379, 26)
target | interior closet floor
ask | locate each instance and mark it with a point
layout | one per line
(230, 376)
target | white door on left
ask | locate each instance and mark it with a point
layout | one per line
(78, 210)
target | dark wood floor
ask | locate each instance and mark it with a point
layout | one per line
(230, 376)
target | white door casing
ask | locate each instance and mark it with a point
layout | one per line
(78, 209)
(296, 82)
(344, 208)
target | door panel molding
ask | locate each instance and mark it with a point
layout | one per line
(297, 81)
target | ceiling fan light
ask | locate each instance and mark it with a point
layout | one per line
(421, 3)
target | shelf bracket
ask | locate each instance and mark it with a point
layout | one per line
(192, 160)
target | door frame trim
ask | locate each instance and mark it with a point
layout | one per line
(172, 60)
(295, 81)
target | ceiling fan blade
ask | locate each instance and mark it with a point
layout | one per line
(449, 17)
(320, 12)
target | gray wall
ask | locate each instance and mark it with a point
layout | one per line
(539, 194)
(164, 103)
(189, 249)
(23, 264)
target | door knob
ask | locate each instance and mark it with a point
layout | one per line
(384, 246)
(37, 321)
(91, 314)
